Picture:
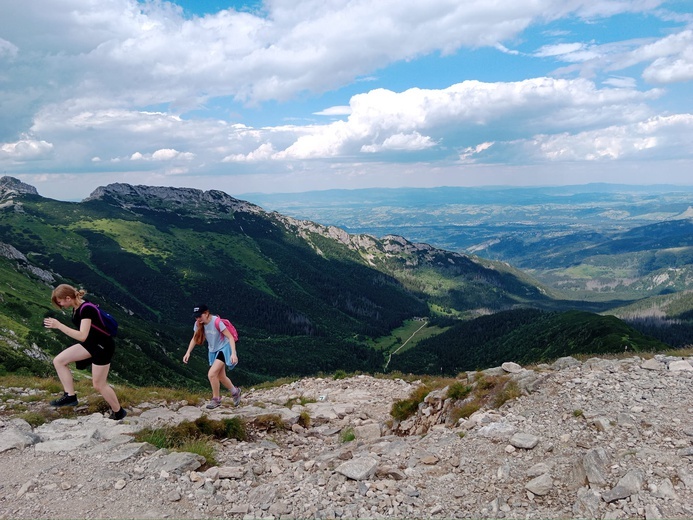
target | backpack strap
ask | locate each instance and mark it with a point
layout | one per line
(98, 311)
(217, 320)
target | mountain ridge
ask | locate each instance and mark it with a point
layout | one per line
(306, 298)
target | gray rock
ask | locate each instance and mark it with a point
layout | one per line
(686, 452)
(263, 495)
(652, 512)
(665, 489)
(602, 424)
(525, 441)
(565, 362)
(17, 439)
(686, 477)
(629, 485)
(361, 468)
(538, 469)
(367, 432)
(511, 367)
(587, 504)
(595, 463)
(176, 462)
(680, 365)
(128, 451)
(652, 364)
(497, 430)
(59, 445)
(540, 485)
(390, 472)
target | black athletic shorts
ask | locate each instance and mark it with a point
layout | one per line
(101, 348)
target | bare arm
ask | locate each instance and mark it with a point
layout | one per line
(234, 356)
(78, 335)
(191, 346)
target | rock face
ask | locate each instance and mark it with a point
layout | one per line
(596, 439)
(153, 197)
(10, 186)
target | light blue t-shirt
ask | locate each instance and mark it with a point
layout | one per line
(216, 341)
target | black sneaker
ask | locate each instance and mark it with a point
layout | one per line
(117, 416)
(65, 400)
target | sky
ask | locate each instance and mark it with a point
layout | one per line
(284, 96)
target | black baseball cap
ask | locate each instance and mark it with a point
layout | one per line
(198, 310)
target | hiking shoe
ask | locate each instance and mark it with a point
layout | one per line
(65, 400)
(214, 403)
(117, 416)
(236, 396)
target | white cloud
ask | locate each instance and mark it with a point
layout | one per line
(381, 119)
(263, 152)
(670, 58)
(401, 142)
(559, 49)
(662, 136)
(87, 85)
(467, 155)
(342, 110)
(621, 82)
(7, 49)
(146, 53)
(165, 154)
(25, 150)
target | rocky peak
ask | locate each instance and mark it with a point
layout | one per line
(10, 186)
(157, 197)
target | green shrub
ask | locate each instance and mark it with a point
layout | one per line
(458, 390)
(34, 418)
(235, 429)
(269, 422)
(403, 408)
(201, 447)
(302, 400)
(304, 419)
(464, 410)
(510, 391)
(197, 434)
(347, 435)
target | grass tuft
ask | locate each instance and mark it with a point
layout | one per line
(347, 435)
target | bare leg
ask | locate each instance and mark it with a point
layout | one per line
(99, 373)
(71, 354)
(224, 380)
(215, 374)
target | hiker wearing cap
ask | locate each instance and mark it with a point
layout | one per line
(93, 344)
(222, 352)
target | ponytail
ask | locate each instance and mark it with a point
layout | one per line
(199, 336)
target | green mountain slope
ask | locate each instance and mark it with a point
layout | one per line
(524, 336)
(304, 297)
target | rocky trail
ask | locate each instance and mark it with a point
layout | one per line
(603, 438)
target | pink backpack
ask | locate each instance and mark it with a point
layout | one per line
(229, 326)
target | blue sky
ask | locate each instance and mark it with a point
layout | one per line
(300, 95)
